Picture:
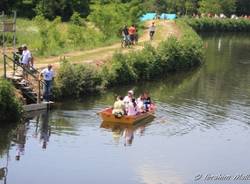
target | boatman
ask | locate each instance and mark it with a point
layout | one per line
(48, 76)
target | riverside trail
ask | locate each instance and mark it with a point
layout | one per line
(98, 56)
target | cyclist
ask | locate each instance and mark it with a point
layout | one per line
(126, 38)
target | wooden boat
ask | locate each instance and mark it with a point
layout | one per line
(107, 116)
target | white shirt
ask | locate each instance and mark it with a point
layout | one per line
(132, 111)
(26, 57)
(48, 74)
(126, 101)
(152, 29)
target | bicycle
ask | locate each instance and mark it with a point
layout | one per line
(125, 42)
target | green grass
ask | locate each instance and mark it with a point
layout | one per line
(61, 37)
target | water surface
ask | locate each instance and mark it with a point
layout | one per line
(201, 130)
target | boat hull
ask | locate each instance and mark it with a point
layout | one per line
(107, 116)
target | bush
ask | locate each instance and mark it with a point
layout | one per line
(76, 19)
(10, 107)
(75, 80)
(213, 24)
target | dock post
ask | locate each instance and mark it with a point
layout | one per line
(39, 92)
(4, 63)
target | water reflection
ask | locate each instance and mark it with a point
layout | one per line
(126, 131)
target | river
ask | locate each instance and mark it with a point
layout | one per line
(201, 132)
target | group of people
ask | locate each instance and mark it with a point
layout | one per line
(131, 106)
(130, 35)
(26, 60)
(221, 16)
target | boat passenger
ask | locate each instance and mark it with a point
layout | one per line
(132, 108)
(119, 107)
(140, 104)
(128, 99)
(147, 101)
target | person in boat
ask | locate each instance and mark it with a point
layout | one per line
(140, 103)
(147, 101)
(119, 107)
(127, 99)
(132, 108)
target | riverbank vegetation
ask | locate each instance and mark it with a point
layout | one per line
(10, 107)
(171, 55)
(216, 24)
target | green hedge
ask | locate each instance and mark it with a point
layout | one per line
(213, 24)
(150, 63)
(10, 107)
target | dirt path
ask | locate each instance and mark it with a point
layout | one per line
(97, 56)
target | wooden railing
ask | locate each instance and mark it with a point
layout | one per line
(34, 73)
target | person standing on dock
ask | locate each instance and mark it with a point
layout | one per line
(26, 59)
(48, 76)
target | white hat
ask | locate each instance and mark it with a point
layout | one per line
(131, 92)
(24, 45)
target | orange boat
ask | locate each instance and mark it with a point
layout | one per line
(107, 116)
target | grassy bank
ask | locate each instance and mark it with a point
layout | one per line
(170, 56)
(10, 107)
(213, 24)
(50, 38)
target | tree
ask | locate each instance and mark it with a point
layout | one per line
(191, 7)
(210, 6)
(217, 6)
(228, 6)
(243, 7)
(110, 18)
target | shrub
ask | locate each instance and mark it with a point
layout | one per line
(75, 80)
(10, 107)
(76, 19)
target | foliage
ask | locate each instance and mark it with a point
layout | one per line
(51, 38)
(217, 6)
(10, 107)
(76, 19)
(212, 24)
(76, 80)
(65, 8)
(110, 18)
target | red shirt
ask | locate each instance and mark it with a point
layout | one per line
(132, 30)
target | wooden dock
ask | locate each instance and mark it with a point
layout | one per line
(38, 107)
